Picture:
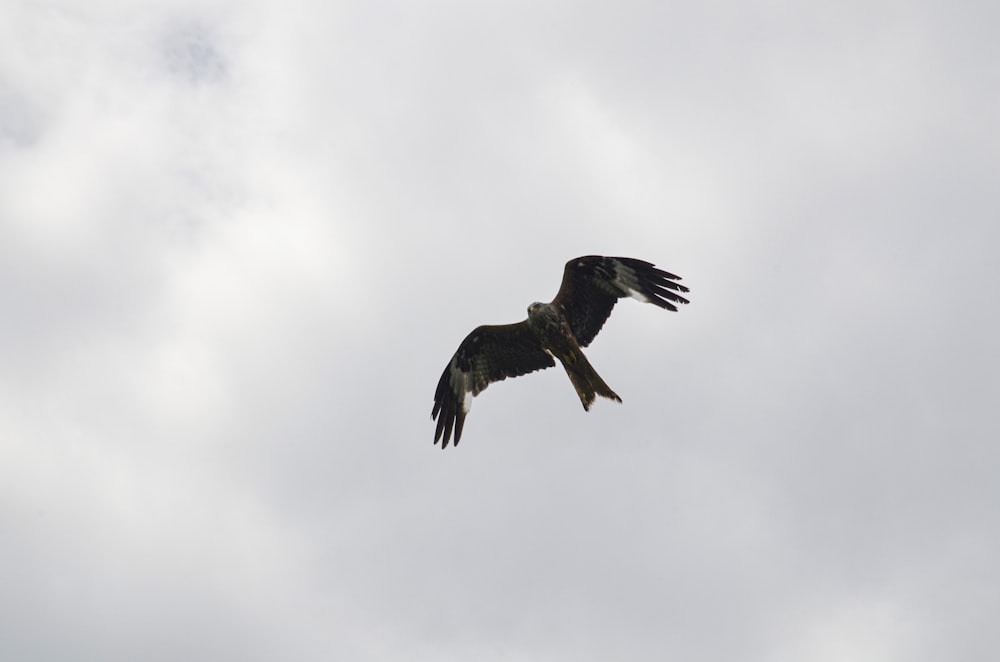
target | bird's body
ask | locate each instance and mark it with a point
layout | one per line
(548, 320)
(553, 331)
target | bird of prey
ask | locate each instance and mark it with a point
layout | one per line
(591, 286)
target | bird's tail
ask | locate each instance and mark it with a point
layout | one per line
(586, 381)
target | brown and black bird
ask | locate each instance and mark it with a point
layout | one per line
(591, 286)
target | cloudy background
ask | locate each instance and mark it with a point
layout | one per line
(240, 240)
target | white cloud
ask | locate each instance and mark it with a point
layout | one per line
(238, 243)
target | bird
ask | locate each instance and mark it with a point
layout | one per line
(558, 330)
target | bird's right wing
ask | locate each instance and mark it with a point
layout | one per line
(488, 354)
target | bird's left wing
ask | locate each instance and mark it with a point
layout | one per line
(592, 285)
(488, 354)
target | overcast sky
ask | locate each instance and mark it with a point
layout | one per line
(239, 241)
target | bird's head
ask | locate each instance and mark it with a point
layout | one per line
(541, 314)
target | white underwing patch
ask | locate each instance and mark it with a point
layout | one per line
(626, 278)
(636, 294)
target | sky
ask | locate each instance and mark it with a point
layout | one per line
(239, 241)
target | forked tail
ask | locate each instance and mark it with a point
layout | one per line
(586, 381)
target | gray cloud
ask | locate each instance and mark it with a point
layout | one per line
(239, 244)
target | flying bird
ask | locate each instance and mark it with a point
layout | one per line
(591, 286)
